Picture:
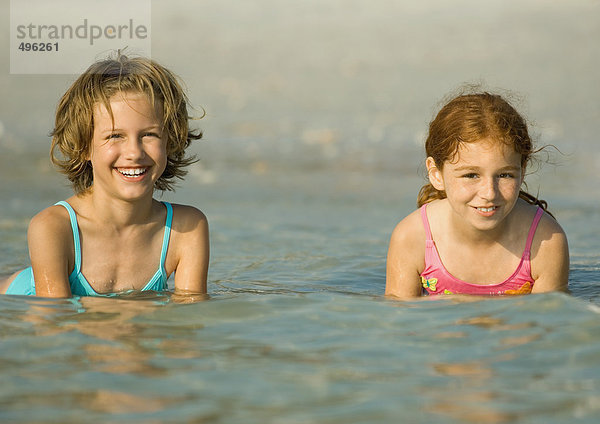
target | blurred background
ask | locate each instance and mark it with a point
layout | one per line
(353, 82)
(328, 101)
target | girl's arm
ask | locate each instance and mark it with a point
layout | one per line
(550, 257)
(50, 242)
(191, 229)
(406, 255)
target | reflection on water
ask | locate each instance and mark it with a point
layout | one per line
(468, 393)
(312, 357)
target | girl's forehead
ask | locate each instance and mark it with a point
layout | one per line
(485, 150)
(130, 97)
(138, 101)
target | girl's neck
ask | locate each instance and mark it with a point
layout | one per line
(117, 212)
(475, 237)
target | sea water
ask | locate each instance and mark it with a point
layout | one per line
(316, 114)
(297, 329)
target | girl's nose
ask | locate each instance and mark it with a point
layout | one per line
(489, 189)
(134, 148)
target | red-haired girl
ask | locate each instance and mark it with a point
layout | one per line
(476, 231)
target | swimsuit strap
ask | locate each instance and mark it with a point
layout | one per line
(165, 245)
(534, 224)
(77, 243)
(75, 229)
(426, 221)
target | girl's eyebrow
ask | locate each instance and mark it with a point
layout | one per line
(112, 130)
(464, 168)
(475, 168)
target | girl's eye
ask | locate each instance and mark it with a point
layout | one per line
(506, 175)
(115, 136)
(471, 175)
(151, 134)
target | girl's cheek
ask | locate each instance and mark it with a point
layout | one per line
(510, 187)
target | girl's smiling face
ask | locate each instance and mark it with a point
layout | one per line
(482, 182)
(128, 155)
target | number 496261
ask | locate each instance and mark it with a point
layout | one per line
(38, 47)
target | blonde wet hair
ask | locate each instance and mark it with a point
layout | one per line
(74, 123)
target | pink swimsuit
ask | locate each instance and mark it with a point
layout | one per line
(437, 280)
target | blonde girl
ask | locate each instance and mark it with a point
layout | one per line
(121, 132)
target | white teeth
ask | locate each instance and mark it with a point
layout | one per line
(132, 172)
(486, 209)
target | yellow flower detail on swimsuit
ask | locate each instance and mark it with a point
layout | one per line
(447, 292)
(524, 289)
(429, 284)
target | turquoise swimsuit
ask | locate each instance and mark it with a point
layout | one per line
(24, 284)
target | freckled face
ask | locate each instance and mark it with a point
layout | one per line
(482, 183)
(129, 155)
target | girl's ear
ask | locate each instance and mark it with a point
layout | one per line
(434, 174)
(88, 155)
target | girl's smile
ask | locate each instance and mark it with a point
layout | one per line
(487, 211)
(128, 153)
(133, 174)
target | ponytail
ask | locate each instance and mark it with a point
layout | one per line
(531, 199)
(429, 193)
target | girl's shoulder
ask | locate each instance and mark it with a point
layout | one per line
(549, 245)
(189, 247)
(52, 219)
(548, 233)
(547, 224)
(51, 231)
(410, 231)
(406, 257)
(186, 217)
(189, 228)
(413, 227)
(549, 255)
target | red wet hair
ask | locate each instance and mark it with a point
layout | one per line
(469, 118)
